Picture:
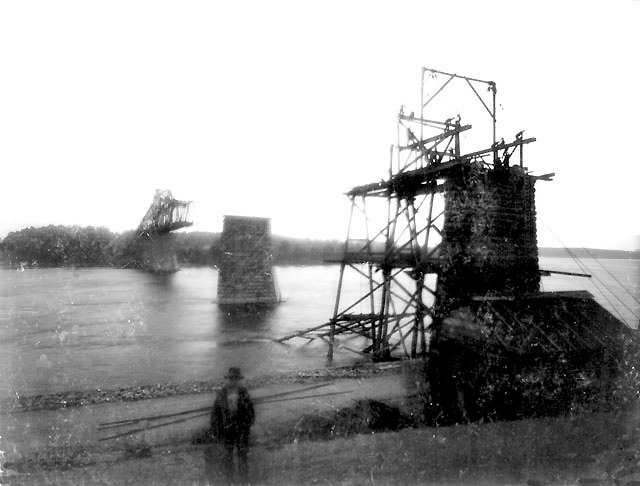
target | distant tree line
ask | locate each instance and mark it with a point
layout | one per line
(588, 253)
(294, 251)
(62, 246)
(54, 246)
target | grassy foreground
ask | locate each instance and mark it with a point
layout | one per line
(567, 450)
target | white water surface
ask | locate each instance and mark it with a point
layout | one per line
(78, 329)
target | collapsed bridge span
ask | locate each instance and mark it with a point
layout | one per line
(166, 214)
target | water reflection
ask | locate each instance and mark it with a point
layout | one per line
(245, 324)
(162, 281)
(246, 316)
(107, 328)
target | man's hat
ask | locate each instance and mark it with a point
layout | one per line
(234, 374)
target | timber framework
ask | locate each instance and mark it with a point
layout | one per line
(446, 243)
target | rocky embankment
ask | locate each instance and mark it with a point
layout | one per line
(146, 392)
(88, 397)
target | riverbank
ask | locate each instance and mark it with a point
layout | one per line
(590, 449)
(72, 399)
(66, 445)
(39, 434)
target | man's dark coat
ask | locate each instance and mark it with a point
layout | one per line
(230, 427)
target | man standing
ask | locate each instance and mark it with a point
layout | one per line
(231, 420)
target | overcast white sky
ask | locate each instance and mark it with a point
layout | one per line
(277, 108)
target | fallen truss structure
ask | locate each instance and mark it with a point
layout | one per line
(165, 214)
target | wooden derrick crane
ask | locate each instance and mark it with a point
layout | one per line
(445, 253)
(402, 260)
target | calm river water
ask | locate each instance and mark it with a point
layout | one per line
(75, 329)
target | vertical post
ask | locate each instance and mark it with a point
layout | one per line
(391, 148)
(494, 90)
(410, 212)
(381, 344)
(423, 334)
(372, 302)
(378, 342)
(492, 87)
(429, 225)
(418, 277)
(418, 326)
(383, 351)
(422, 107)
(332, 327)
(336, 308)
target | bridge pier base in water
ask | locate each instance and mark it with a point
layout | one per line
(158, 253)
(246, 278)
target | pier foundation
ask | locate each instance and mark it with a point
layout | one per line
(246, 276)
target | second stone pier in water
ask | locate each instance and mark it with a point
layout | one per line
(246, 268)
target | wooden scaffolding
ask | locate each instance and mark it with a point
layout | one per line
(394, 243)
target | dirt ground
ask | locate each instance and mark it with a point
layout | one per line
(584, 449)
(35, 440)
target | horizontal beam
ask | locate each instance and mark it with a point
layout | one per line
(423, 121)
(429, 174)
(435, 138)
(384, 191)
(423, 173)
(435, 71)
(545, 177)
(429, 265)
(547, 273)
(502, 146)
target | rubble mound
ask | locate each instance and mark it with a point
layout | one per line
(365, 416)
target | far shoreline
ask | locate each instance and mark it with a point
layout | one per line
(581, 253)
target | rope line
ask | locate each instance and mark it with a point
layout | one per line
(614, 278)
(585, 269)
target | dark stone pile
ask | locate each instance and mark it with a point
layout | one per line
(365, 416)
(489, 235)
(245, 274)
(541, 355)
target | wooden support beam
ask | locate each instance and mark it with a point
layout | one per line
(257, 400)
(436, 71)
(547, 337)
(301, 333)
(208, 412)
(547, 273)
(424, 173)
(515, 143)
(423, 121)
(437, 138)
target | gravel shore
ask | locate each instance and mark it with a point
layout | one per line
(65, 429)
(71, 399)
(600, 448)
